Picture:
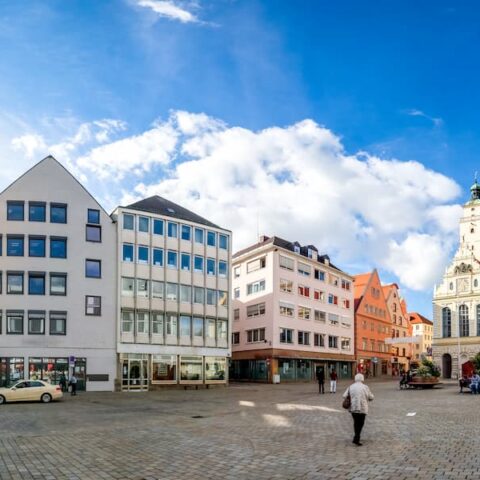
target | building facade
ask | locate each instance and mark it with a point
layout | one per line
(456, 299)
(173, 297)
(293, 313)
(423, 329)
(57, 281)
(373, 326)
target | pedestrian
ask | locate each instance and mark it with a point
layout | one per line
(73, 384)
(360, 395)
(333, 381)
(475, 384)
(321, 380)
(63, 382)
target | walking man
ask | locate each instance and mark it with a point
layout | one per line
(73, 384)
(333, 381)
(321, 380)
(360, 395)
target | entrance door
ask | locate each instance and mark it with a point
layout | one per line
(447, 365)
(134, 374)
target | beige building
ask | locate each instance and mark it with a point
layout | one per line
(173, 296)
(57, 281)
(456, 300)
(421, 327)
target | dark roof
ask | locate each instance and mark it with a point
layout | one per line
(280, 242)
(162, 206)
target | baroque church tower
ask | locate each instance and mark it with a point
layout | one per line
(456, 300)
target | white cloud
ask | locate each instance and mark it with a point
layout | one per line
(169, 9)
(437, 121)
(30, 144)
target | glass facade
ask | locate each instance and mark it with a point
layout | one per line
(12, 370)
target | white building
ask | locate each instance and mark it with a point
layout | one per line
(57, 281)
(173, 296)
(456, 300)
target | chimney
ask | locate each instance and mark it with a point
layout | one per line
(262, 238)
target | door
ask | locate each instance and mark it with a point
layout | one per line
(134, 374)
(447, 365)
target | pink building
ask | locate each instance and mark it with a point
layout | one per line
(293, 313)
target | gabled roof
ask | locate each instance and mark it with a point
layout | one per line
(162, 206)
(415, 317)
(359, 283)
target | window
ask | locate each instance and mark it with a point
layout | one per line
(199, 295)
(127, 321)
(157, 226)
(36, 323)
(185, 261)
(235, 338)
(211, 239)
(157, 289)
(157, 257)
(345, 285)
(15, 211)
(172, 229)
(256, 287)
(222, 268)
(332, 341)
(185, 326)
(320, 316)
(172, 291)
(257, 264)
(332, 299)
(319, 295)
(142, 288)
(15, 283)
(93, 268)
(210, 266)
(186, 293)
(198, 327)
(256, 310)
(58, 213)
(286, 335)
(222, 298)
(143, 224)
(58, 323)
(199, 235)
(463, 319)
(186, 233)
(319, 275)
(364, 344)
(222, 329)
(157, 323)
(256, 335)
(236, 314)
(304, 312)
(222, 241)
(93, 233)
(37, 211)
(93, 216)
(36, 284)
(198, 264)
(287, 309)
(286, 263)
(36, 246)
(14, 323)
(303, 338)
(446, 322)
(142, 255)
(334, 319)
(334, 280)
(210, 328)
(58, 247)
(318, 340)
(171, 324)
(345, 343)
(236, 292)
(172, 259)
(128, 221)
(286, 285)
(236, 272)
(14, 246)
(127, 252)
(93, 305)
(128, 286)
(304, 291)
(143, 322)
(58, 284)
(304, 269)
(211, 297)
(345, 303)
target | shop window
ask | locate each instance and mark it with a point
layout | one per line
(191, 368)
(164, 368)
(215, 368)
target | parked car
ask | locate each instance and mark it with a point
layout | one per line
(31, 390)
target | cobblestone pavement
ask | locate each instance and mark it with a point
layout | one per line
(246, 431)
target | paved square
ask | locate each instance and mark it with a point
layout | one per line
(247, 431)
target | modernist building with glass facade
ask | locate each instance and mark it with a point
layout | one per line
(173, 296)
(293, 314)
(57, 281)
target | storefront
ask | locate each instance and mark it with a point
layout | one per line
(51, 369)
(306, 370)
(12, 369)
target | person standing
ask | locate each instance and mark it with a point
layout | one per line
(73, 384)
(360, 395)
(321, 380)
(333, 381)
(63, 382)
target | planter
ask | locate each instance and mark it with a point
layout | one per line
(424, 380)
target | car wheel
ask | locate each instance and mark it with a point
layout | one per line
(2, 400)
(46, 398)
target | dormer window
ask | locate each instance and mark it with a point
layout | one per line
(296, 248)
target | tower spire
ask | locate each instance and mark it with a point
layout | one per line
(475, 189)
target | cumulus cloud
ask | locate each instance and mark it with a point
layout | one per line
(169, 9)
(30, 144)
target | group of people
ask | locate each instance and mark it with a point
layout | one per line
(472, 382)
(321, 381)
(72, 383)
(405, 378)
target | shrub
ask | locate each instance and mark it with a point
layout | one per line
(429, 368)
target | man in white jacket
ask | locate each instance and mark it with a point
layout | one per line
(360, 395)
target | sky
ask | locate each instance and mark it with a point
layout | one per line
(349, 125)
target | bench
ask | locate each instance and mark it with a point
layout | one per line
(464, 383)
(423, 385)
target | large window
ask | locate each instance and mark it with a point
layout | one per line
(171, 325)
(93, 268)
(157, 258)
(58, 284)
(304, 312)
(15, 211)
(446, 322)
(185, 326)
(93, 216)
(157, 227)
(15, 283)
(143, 322)
(287, 309)
(332, 341)
(303, 338)
(210, 266)
(222, 268)
(93, 305)
(143, 224)
(186, 233)
(199, 295)
(157, 323)
(211, 297)
(15, 246)
(256, 264)
(210, 328)
(191, 368)
(164, 368)
(58, 323)
(286, 335)
(255, 310)
(142, 254)
(36, 283)
(304, 269)
(93, 233)
(172, 230)
(286, 263)
(286, 285)
(198, 264)
(36, 211)
(211, 239)
(58, 213)
(464, 322)
(128, 221)
(319, 340)
(198, 327)
(36, 323)
(36, 246)
(15, 323)
(128, 286)
(127, 321)
(222, 241)
(142, 288)
(185, 293)
(215, 368)
(172, 259)
(127, 252)
(222, 298)
(172, 291)
(185, 261)
(58, 247)
(222, 330)
(199, 234)
(157, 289)
(256, 287)
(256, 335)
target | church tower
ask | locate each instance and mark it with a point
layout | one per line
(456, 300)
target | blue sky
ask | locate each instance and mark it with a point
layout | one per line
(395, 79)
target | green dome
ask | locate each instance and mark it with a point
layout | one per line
(475, 190)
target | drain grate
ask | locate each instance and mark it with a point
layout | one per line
(198, 416)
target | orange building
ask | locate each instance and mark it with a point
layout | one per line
(401, 349)
(372, 325)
